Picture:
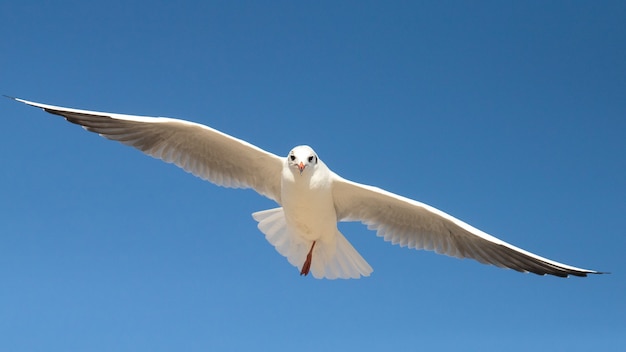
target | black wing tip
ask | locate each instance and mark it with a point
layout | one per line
(600, 272)
(590, 272)
(19, 100)
(580, 274)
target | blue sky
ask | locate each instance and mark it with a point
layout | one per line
(508, 115)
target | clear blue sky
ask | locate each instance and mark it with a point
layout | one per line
(508, 115)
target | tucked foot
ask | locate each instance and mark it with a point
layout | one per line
(307, 263)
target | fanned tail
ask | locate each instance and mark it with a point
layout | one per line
(273, 224)
(331, 259)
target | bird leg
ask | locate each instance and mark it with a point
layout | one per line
(307, 263)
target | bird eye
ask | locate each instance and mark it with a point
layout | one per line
(311, 159)
(292, 157)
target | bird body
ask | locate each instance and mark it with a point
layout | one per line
(312, 198)
(307, 198)
(308, 220)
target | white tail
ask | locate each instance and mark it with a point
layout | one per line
(331, 259)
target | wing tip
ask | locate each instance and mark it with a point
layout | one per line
(20, 100)
(600, 272)
(584, 273)
(568, 274)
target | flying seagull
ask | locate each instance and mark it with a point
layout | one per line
(311, 197)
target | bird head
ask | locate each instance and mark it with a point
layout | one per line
(301, 158)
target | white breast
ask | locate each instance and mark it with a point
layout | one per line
(308, 204)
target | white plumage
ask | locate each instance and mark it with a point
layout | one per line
(312, 198)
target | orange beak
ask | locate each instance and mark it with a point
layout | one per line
(301, 166)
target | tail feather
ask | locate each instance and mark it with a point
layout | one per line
(332, 259)
(273, 224)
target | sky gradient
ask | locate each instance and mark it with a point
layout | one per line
(508, 115)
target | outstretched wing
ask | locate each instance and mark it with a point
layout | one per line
(410, 223)
(205, 152)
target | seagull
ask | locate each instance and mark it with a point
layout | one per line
(312, 199)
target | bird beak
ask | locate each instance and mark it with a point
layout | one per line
(301, 166)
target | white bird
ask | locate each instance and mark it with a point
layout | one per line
(312, 198)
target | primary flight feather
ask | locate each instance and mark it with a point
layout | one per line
(312, 198)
